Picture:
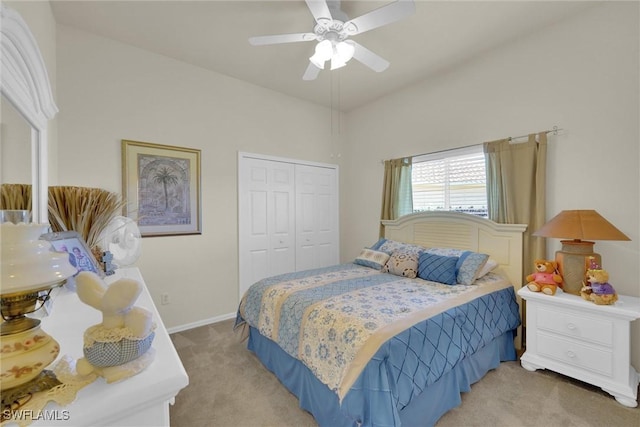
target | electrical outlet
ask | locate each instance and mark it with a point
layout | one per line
(164, 299)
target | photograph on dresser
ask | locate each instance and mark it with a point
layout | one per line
(72, 244)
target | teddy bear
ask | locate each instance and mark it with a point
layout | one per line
(545, 279)
(125, 334)
(598, 289)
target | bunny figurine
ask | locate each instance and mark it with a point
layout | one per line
(112, 348)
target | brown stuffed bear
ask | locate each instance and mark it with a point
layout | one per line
(545, 279)
(598, 289)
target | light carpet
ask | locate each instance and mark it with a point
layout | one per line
(228, 386)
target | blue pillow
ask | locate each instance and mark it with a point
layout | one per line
(377, 244)
(438, 268)
(468, 266)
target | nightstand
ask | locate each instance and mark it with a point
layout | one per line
(582, 340)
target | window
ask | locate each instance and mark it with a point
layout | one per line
(452, 180)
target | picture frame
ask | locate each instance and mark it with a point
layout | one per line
(80, 256)
(161, 187)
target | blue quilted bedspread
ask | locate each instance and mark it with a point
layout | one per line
(338, 319)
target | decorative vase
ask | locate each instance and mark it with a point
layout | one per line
(25, 355)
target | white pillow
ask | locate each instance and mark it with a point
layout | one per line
(372, 259)
(404, 264)
(487, 268)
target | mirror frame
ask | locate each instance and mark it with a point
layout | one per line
(24, 82)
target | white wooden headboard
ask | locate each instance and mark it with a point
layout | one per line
(502, 242)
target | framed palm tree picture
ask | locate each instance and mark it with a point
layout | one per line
(161, 187)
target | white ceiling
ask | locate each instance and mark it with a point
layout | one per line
(213, 35)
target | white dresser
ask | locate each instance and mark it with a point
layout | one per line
(141, 400)
(580, 339)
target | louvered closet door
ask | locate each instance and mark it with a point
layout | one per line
(266, 220)
(316, 217)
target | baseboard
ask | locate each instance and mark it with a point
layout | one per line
(199, 323)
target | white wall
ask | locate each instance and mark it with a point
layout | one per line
(581, 75)
(109, 91)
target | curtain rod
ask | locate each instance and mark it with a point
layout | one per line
(554, 130)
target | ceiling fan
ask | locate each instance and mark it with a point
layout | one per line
(332, 31)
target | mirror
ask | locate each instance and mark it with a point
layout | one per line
(25, 86)
(15, 150)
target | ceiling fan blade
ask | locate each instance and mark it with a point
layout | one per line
(319, 9)
(281, 38)
(370, 59)
(311, 73)
(384, 15)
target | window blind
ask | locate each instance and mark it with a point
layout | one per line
(453, 180)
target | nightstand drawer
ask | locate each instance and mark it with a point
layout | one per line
(590, 358)
(594, 329)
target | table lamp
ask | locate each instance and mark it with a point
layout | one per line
(29, 270)
(574, 257)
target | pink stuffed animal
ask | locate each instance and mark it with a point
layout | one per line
(546, 278)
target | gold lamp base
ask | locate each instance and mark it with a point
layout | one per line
(573, 261)
(15, 397)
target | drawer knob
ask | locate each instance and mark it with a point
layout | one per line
(571, 326)
(571, 354)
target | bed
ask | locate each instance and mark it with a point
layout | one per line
(367, 343)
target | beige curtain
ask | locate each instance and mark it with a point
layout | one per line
(397, 197)
(516, 182)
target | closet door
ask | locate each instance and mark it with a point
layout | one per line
(316, 217)
(266, 192)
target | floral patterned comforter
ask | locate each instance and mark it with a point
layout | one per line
(334, 319)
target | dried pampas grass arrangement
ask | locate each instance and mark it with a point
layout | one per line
(82, 209)
(15, 197)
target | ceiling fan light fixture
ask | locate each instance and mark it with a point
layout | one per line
(345, 50)
(318, 62)
(323, 52)
(336, 62)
